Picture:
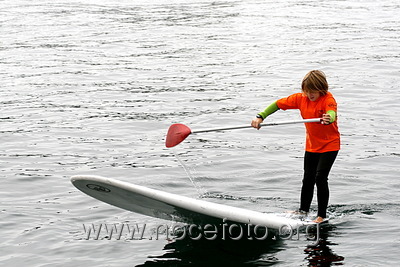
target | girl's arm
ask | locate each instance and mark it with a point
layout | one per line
(329, 117)
(263, 114)
(269, 110)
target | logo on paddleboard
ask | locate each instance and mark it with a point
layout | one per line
(99, 188)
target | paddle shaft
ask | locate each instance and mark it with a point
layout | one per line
(261, 125)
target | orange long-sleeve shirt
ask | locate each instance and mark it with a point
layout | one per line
(319, 137)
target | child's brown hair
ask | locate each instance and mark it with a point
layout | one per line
(315, 80)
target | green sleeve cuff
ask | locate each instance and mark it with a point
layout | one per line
(332, 114)
(269, 110)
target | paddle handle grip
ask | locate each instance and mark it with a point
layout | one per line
(261, 125)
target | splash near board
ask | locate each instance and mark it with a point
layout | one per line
(167, 206)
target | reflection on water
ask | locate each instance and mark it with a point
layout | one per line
(217, 253)
(321, 253)
(244, 252)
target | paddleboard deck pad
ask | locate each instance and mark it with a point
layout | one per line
(168, 206)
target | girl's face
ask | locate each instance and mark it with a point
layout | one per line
(312, 95)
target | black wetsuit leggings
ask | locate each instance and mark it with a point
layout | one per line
(316, 171)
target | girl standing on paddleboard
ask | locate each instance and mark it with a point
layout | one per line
(322, 139)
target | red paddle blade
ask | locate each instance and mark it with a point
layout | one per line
(177, 133)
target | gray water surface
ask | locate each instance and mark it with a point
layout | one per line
(91, 87)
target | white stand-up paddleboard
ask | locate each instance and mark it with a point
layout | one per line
(163, 205)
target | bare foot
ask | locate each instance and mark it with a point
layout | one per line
(319, 219)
